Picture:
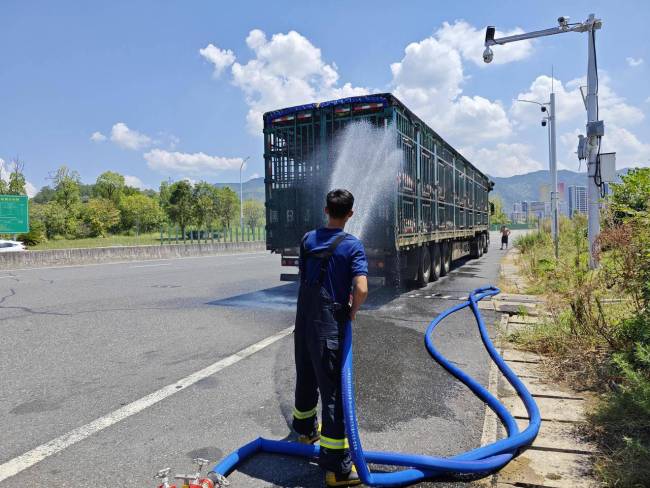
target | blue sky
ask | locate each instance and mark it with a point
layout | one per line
(134, 74)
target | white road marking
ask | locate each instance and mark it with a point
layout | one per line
(151, 265)
(36, 455)
(10, 276)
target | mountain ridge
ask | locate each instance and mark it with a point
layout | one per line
(510, 189)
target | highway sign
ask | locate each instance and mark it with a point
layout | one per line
(14, 214)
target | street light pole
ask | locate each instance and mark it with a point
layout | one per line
(241, 197)
(595, 127)
(552, 166)
(555, 223)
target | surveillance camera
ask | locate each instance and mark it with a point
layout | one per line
(543, 108)
(563, 21)
(488, 55)
(543, 123)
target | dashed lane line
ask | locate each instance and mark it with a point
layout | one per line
(38, 454)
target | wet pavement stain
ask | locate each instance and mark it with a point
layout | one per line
(395, 378)
(35, 406)
(210, 453)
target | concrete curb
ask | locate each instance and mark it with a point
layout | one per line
(559, 457)
(77, 256)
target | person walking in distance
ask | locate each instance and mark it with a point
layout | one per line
(333, 286)
(505, 232)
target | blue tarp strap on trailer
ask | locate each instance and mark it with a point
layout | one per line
(269, 116)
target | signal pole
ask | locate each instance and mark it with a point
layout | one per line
(595, 127)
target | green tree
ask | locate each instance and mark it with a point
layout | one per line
(16, 184)
(253, 213)
(163, 195)
(228, 206)
(206, 204)
(54, 218)
(181, 204)
(140, 212)
(66, 188)
(498, 217)
(110, 185)
(45, 194)
(100, 215)
(633, 193)
(3, 183)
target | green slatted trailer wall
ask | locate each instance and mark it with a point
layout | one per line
(438, 192)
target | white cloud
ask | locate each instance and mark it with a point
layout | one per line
(129, 138)
(188, 163)
(468, 40)
(634, 62)
(630, 151)
(569, 105)
(504, 159)
(220, 58)
(254, 175)
(134, 182)
(30, 189)
(97, 137)
(286, 70)
(429, 81)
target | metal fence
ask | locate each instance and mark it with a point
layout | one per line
(173, 235)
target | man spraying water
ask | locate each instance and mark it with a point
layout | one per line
(333, 286)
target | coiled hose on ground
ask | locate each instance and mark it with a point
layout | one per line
(482, 460)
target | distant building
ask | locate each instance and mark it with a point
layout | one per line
(537, 209)
(577, 199)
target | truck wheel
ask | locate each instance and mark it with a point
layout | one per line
(486, 244)
(424, 269)
(445, 253)
(436, 261)
(474, 248)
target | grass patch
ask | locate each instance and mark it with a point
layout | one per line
(598, 334)
(108, 241)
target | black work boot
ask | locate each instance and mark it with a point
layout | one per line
(342, 479)
(312, 438)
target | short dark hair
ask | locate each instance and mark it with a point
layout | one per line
(339, 203)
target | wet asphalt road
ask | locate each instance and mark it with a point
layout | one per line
(79, 343)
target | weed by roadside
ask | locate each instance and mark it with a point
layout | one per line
(598, 333)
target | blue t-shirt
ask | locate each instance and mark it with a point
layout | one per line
(349, 260)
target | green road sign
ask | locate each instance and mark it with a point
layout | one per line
(14, 214)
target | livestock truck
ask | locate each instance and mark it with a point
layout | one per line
(437, 211)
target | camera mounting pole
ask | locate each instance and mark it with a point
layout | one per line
(595, 127)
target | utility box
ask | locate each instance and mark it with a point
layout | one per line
(608, 167)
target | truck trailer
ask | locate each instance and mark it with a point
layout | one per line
(437, 212)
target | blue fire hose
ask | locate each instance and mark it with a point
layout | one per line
(482, 460)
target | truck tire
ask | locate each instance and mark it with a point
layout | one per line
(424, 268)
(486, 244)
(474, 247)
(436, 261)
(445, 253)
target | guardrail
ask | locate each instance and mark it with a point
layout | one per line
(97, 255)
